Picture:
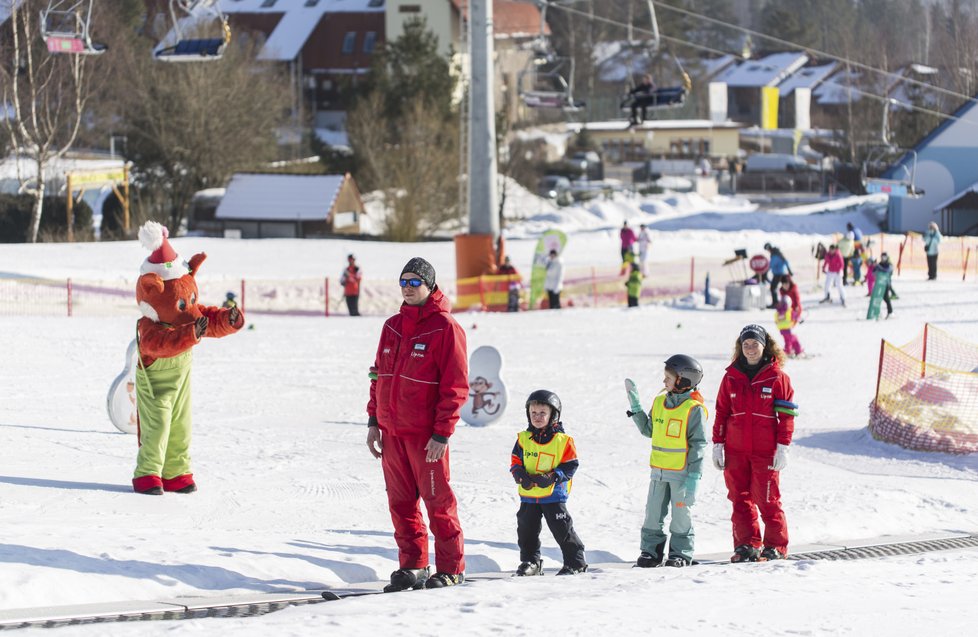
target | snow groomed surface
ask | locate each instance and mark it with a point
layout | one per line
(261, 604)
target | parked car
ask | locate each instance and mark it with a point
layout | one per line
(556, 188)
(587, 164)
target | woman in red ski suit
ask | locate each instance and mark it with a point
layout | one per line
(755, 418)
(419, 384)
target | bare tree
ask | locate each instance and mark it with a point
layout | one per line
(191, 126)
(47, 94)
(416, 171)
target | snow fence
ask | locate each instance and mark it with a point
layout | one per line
(927, 394)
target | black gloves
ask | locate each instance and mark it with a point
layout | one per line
(544, 479)
(521, 476)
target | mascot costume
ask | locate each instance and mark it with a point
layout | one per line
(173, 322)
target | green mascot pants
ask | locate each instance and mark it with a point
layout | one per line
(163, 402)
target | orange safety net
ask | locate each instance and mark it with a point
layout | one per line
(927, 394)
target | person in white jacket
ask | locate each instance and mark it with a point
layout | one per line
(644, 243)
(554, 282)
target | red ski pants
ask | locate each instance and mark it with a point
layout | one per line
(753, 487)
(408, 478)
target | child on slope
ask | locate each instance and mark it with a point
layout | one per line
(784, 319)
(543, 463)
(676, 425)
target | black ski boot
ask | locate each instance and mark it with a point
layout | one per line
(572, 570)
(770, 553)
(676, 562)
(407, 578)
(647, 560)
(745, 553)
(441, 580)
(534, 567)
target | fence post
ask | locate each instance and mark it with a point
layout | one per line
(879, 374)
(242, 295)
(692, 274)
(964, 269)
(326, 292)
(594, 287)
(69, 297)
(923, 355)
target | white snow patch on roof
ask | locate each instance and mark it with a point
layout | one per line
(282, 197)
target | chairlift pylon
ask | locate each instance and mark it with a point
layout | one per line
(187, 48)
(65, 28)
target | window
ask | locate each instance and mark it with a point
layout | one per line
(268, 3)
(410, 8)
(311, 3)
(349, 42)
(375, 3)
(369, 40)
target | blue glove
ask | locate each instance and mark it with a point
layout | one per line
(634, 404)
(692, 480)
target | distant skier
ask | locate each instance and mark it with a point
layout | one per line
(777, 268)
(350, 280)
(755, 419)
(832, 267)
(932, 242)
(676, 424)
(543, 463)
(628, 240)
(634, 285)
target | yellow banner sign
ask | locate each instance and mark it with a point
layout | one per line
(113, 176)
(769, 107)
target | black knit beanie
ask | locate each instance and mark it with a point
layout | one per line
(423, 269)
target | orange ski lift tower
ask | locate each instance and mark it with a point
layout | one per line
(80, 181)
(475, 252)
(65, 26)
(192, 20)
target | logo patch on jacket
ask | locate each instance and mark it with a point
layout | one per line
(766, 392)
(420, 347)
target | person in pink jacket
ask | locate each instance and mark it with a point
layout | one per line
(755, 419)
(628, 240)
(832, 267)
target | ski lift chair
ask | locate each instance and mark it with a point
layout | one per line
(547, 87)
(65, 28)
(660, 98)
(187, 49)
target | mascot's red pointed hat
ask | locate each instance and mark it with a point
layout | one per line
(163, 259)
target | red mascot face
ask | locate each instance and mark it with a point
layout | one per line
(173, 302)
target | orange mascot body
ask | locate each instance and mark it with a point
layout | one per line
(172, 323)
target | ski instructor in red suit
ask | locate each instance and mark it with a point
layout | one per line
(755, 419)
(419, 383)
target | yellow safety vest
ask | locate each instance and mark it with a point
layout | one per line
(669, 445)
(539, 459)
(783, 323)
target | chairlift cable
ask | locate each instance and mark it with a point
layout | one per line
(830, 56)
(739, 56)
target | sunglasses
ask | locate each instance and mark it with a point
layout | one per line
(414, 283)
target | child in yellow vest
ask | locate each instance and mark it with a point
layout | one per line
(543, 463)
(676, 425)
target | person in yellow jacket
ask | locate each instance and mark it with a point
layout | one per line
(543, 463)
(676, 425)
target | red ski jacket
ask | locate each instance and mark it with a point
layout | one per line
(754, 416)
(422, 371)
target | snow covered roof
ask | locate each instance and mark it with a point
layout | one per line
(972, 189)
(298, 19)
(806, 77)
(655, 124)
(5, 7)
(307, 7)
(280, 197)
(711, 66)
(768, 71)
(838, 89)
